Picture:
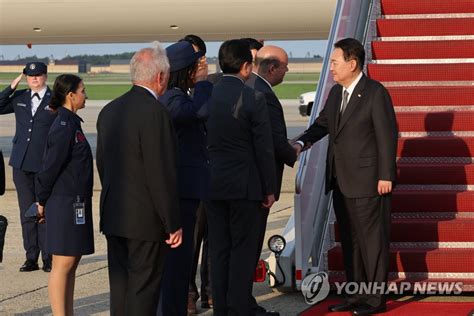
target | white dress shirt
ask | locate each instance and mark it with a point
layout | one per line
(35, 102)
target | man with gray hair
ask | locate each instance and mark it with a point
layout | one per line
(136, 161)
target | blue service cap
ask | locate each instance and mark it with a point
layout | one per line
(181, 55)
(35, 69)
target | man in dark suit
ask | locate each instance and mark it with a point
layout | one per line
(270, 67)
(242, 179)
(361, 170)
(33, 120)
(137, 165)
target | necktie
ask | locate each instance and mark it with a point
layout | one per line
(35, 95)
(344, 102)
(343, 107)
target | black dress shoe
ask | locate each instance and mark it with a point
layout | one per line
(29, 266)
(47, 266)
(369, 310)
(342, 307)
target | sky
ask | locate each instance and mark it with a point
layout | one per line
(12, 52)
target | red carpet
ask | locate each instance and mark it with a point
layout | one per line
(436, 147)
(422, 49)
(424, 27)
(435, 121)
(432, 201)
(421, 72)
(390, 7)
(429, 230)
(401, 308)
(439, 95)
(422, 259)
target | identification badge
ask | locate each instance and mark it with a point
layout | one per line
(79, 212)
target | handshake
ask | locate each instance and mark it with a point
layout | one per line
(298, 147)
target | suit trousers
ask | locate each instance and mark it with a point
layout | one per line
(364, 226)
(234, 228)
(135, 270)
(34, 234)
(261, 240)
(201, 235)
(175, 283)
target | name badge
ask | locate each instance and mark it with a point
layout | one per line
(79, 212)
(21, 104)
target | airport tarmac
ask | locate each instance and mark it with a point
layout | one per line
(24, 293)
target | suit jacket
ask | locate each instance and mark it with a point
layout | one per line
(189, 116)
(67, 163)
(363, 145)
(284, 152)
(31, 131)
(240, 143)
(137, 162)
(2, 174)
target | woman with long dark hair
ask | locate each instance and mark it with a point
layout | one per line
(64, 192)
(188, 70)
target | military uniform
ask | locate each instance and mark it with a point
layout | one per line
(64, 187)
(32, 126)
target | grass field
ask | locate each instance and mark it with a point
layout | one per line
(110, 86)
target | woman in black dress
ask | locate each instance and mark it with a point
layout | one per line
(64, 192)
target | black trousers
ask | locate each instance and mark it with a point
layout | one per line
(135, 269)
(201, 236)
(261, 240)
(177, 271)
(234, 228)
(34, 234)
(364, 226)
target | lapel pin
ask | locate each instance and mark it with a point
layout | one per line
(359, 96)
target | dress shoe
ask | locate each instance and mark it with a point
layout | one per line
(342, 307)
(29, 266)
(47, 266)
(206, 303)
(192, 309)
(369, 310)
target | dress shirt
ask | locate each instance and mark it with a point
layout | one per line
(35, 102)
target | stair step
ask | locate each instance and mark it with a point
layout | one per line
(422, 49)
(426, 6)
(436, 147)
(432, 201)
(467, 280)
(439, 95)
(421, 72)
(428, 230)
(424, 27)
(435, 173)
(435, 121)
(418, 260)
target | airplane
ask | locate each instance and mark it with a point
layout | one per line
(124, 21)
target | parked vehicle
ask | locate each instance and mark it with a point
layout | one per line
(306, 101)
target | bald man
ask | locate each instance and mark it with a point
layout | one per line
(270, 67)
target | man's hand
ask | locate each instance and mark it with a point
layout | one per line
(384, 187)
(297, 147)
(16, 81)
(175, 238)
(269, 200)
(40, 218)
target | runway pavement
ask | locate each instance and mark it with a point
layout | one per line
(26, 293)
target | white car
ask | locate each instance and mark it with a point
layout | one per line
(306, 101)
